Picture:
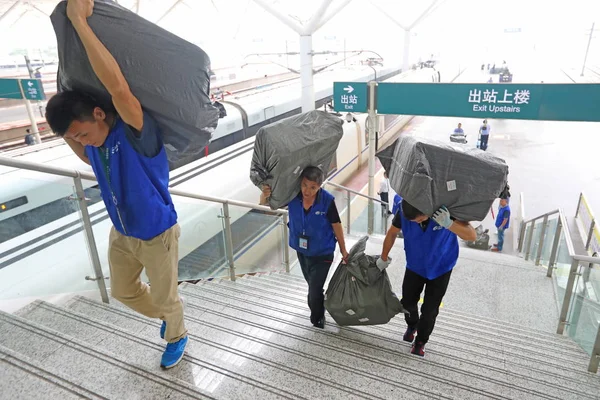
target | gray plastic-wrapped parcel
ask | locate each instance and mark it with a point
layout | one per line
(283, 149)
(359, 293)
(169, 75)
(429, 174)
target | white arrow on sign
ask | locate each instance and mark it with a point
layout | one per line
(30, 84)
(349, 89)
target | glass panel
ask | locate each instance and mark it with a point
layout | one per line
(535, 243)
(257, 240)
(202, 242)
(563, 266)
(548, 241)
(584, 315)
(341, 202)
(528, 228)
(43, 251)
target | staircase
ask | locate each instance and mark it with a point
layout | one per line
(251, 339)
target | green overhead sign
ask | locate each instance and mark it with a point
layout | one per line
(350, 96)
(546, 102)
(30, 89)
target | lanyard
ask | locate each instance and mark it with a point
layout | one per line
(305, 218)
(104, 156)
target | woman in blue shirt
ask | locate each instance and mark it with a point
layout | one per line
(315, 227)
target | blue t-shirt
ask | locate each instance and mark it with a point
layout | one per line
(459, 131)
(503, 213)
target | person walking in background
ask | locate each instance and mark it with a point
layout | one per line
(484, 134)
(384, 194)
(315, 227)
(502, 223)
(123, 145)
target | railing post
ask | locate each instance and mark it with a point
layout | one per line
(89, 238)
(286, 248)
(228, 241)
(542, 240)
(590, 234)
(595, 357)
(578, 204)
(573, 273)
(521, 236)
(530, 240)
(348, 207)
(554, 252)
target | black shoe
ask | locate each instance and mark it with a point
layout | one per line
(418, 349)
(320, 323)
(409, 335)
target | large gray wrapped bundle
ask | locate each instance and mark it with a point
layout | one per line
(429, 174)
(359, 293)
(169, 75)
(283, 149)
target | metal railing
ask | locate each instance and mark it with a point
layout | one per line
(561, 240)
(585, 216)
(348, 210)
(80, 197)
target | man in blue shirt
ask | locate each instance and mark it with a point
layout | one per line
(122, 143)
(484, 133)
(431, 247)
(502, 223)
(459, 130)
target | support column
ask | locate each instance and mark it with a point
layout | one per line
(405, 58)
(306, 73)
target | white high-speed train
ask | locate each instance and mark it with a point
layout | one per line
(42, 246)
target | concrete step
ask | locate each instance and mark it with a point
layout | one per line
(284, 363)
(230, 295)
(218, 369)
(108, 374)
(24, 379)
(458, 332)
(499, 329)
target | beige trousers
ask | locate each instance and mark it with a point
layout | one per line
(127, 257)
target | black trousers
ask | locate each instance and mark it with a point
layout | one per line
(435, 289)
(315, 271)
(484, 142)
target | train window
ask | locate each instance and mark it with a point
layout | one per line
(11, 204)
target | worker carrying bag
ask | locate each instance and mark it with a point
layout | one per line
(359, 293)
(168, 75)
(429, 174)
(284, 148)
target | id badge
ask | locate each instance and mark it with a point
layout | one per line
(303, 242)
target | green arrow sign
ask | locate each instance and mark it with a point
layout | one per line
(16, 88)
(350, 96)
(546, 102)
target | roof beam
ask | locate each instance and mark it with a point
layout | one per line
(428, 11)
(387, 14)
(332, 14)
(311, 26)
(10, 9)
(281, 17)
(168, 11)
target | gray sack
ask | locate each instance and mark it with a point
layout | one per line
(429, 174)
(283, 149)
(168, 75)
(359, 293)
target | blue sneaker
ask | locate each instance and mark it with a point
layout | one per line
(173, 353)
(163, 327)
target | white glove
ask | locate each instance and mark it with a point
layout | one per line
(383, 264)
(442, 217)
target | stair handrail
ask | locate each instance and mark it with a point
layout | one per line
(562, 228)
